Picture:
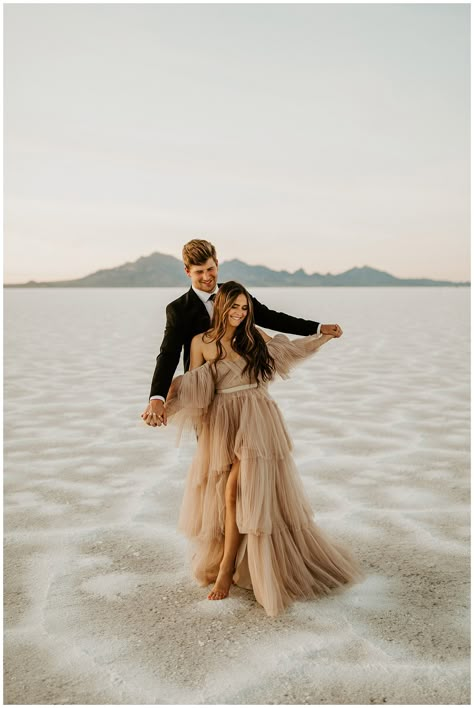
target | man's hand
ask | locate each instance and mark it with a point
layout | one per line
(333, 329)
(155, 413)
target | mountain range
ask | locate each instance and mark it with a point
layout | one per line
(160, 270)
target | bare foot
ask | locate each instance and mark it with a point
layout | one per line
(222, 586)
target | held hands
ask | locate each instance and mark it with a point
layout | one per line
(333, 329)
(155, 413)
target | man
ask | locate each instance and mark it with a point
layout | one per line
(191, 314)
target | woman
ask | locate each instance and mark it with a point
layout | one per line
(244, 506)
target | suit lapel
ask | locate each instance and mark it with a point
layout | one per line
(197, 304)
(199, 315)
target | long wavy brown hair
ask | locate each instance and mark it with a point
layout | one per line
(248, 342)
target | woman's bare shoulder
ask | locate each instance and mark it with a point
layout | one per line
(199, 340)
(203, 345)
(266, 337)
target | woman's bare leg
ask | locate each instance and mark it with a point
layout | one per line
(231, 540)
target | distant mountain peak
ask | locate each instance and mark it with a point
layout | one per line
(366, 269)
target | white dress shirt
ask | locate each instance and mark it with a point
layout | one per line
(204, 297)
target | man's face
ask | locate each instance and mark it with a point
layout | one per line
(203, 277)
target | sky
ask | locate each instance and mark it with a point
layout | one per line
(315, 136)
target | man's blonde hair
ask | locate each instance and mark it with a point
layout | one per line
(197, 252)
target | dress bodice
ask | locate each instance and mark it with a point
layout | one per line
(230, 373)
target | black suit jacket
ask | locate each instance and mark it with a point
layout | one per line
(187, 316)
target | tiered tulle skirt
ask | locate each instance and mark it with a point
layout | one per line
(283, 556)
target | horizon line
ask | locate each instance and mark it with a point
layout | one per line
(234, 258)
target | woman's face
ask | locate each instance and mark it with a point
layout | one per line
(238, 311)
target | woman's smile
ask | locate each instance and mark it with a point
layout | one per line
(238, 311)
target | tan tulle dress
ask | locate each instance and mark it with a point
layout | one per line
(283, 556)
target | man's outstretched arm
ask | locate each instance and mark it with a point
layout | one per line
(281, 322)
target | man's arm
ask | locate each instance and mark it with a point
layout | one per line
(280, 322)
(170, 352)
(166, 363)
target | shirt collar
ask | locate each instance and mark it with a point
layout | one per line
(204, 297)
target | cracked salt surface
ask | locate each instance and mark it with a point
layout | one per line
(100, 607)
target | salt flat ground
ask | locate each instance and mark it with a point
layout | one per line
(100, 606)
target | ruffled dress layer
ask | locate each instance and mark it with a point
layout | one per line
(283, 556)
